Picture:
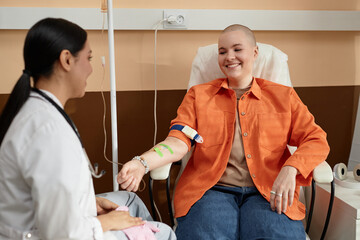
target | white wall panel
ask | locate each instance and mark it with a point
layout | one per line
(198, 19)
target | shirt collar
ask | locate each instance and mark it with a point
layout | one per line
(255, 88)
(52, 96)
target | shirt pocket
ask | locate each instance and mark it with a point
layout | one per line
(211, 126)
(274, 130)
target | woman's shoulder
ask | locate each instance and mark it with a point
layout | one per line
(273, 87)
(35, 113)
(36, 117)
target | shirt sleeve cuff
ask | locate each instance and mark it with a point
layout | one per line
(304, 176)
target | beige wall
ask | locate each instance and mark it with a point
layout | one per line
(315, 58)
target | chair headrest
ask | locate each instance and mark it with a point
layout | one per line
(271, 64)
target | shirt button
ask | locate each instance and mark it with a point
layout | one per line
(28, 236)
(248, 156)
(242, 113)
(253, 175)
(245, 134)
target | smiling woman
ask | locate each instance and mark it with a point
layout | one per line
(237, 54)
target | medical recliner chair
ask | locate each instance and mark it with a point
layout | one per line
(271, 64)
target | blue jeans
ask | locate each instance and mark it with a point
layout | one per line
(226, 213)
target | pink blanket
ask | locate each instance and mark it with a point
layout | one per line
(142, 232)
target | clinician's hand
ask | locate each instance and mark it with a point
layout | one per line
(118, 220)
(104, 205)
(130, 175)
(284, 187)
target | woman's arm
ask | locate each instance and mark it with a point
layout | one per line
(178, 144)
(312, 150)
(132, 172)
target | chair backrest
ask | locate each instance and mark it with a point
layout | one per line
(271, 64)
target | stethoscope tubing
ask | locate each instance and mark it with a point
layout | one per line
(71, 123)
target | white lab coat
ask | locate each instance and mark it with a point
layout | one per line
(46, 187)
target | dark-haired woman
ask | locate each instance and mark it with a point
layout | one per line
(46, 189)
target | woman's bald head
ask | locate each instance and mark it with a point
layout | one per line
(244, 29)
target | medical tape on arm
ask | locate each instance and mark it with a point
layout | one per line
(189, 132)
(157, 150)
(161, 147)
(167, 147)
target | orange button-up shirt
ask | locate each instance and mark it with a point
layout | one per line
(271, 115)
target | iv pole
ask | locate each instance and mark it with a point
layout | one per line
(112, 94)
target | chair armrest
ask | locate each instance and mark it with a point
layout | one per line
(161, 173)
(323, 173)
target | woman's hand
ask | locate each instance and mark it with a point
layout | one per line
(283, 189)
(130, 175)
(104, 205)
(118, 220)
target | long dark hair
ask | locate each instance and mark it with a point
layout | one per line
(43, 45)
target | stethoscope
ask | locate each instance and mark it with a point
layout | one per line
(93, 171)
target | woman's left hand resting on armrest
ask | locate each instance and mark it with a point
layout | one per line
(132, 172)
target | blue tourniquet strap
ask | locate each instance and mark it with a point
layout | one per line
(179, 128)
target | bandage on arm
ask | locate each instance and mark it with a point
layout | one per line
(160, 165)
